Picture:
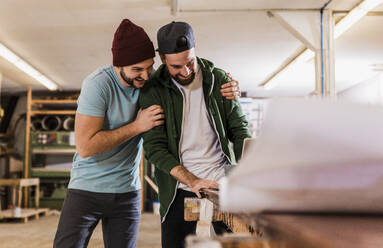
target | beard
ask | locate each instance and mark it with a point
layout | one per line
(184, 82)
(129, 81)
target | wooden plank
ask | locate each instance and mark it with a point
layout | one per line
(309, 230)
(233, 221)
(30, 182)
(325, 231)
(27, 145)
(151, 183)
(7, 151)
(37, 196)
(23, 182)
(68, 151)
(56, 101)
(13, 196)
(192, 210)
(19, 196)
(53, 112)
(26, 214)
(317, 231)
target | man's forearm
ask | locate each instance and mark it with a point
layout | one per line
(105, 140)
(183, 175)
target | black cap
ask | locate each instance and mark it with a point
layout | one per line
(175, 37)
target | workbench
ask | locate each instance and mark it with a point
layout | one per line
(18, 184)
(24, 214)
(298, 230)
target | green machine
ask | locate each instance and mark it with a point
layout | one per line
(50, 150)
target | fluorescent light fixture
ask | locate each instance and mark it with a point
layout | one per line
(25, 67)
(342, 26)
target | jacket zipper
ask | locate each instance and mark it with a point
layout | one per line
(179, 155)
(213, 120)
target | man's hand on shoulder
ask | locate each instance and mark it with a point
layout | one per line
(231, 89)
(148, 118)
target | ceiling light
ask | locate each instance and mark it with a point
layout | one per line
(25, 67)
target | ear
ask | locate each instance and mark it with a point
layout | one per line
(163, 59)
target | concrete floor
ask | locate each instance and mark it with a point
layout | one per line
(40, 233)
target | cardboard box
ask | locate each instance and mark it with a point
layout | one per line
(15, 165)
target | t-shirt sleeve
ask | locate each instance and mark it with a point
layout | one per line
(92, 100)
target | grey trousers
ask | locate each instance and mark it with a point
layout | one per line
(119, 213)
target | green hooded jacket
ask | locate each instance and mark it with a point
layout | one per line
(161, 144)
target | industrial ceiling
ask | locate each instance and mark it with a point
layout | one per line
(67, 40)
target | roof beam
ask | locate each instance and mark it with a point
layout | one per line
(300, 27)
(345, 23)
(1, 109)
(345, 12)
(175, 7)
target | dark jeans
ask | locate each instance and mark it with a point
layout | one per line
(175, 229)
(82, 210)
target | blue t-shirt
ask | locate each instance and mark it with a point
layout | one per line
(116, 170)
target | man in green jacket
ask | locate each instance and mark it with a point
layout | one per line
(192, 150)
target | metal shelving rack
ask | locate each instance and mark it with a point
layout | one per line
(36, 107)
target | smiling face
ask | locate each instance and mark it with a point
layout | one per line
(135, 75)
(182, 66)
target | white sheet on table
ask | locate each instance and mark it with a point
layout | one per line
(311, 155)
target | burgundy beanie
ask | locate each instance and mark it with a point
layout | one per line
(131, 45)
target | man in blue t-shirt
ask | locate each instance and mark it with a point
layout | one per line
(104, 181)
